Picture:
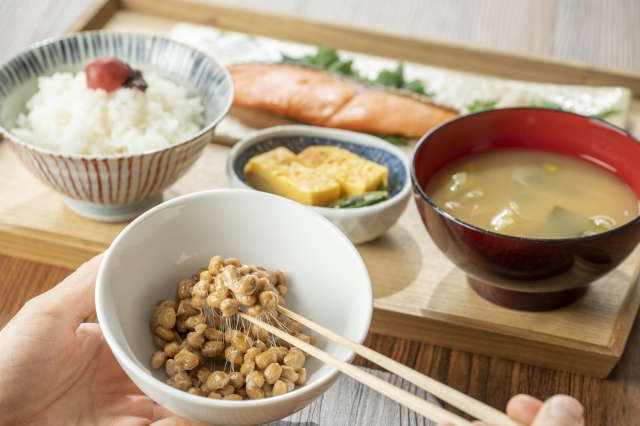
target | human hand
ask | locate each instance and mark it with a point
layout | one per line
(559, 410)
(56, 370)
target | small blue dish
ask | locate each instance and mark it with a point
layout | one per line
(360, 225)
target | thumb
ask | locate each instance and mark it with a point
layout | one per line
(73, 299)
(560, 410)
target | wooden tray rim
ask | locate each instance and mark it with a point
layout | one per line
(478, 58)
(451, 55)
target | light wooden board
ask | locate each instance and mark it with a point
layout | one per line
(598, 32)
(449, 55)
(418, 293)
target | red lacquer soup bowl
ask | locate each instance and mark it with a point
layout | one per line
(527, 273)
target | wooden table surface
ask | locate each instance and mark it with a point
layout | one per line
(598, 32)
(613, 401)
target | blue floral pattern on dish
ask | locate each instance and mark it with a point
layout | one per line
(397, 169)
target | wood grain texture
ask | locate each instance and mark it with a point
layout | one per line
(428, 409)
(593, 31)
(365, 40)
(600, 33)
(418, 293)
(607, 402)
(23, 22)
(22, 280)
(415, 287)
(597, 32)
(373, 409)
(458, 399)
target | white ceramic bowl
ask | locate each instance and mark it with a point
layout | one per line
(361, 224)
(119, 187)
(326, 278)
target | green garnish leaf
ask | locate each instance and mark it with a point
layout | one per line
(604, 114)
(362, 200)
(503, 221)
(553, 105)
(396, 79)
(396, 140)
(328, 59)
(343, 67)
(324, 58)
(550, 167)
(481, 105)
(418, 87)
(286, 59)
(391, 78)
(546, 104)
(460, 180)
(602, 222)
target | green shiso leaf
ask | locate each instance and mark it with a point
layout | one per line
(553, 105)
(391, 78)
(605, 114)
(481, 105)
(547, 104)
(396, 79)
(396, 140)
(325, 58)
(355, 201)
(328, 59)
(418, 87)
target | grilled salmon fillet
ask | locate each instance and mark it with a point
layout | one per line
(385, 113)
(318, 98)
(303, 94)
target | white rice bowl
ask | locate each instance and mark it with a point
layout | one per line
(66, 116)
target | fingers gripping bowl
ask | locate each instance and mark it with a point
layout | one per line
(326, 277)
(359, 224)
(114, 187)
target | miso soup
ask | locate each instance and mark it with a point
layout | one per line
(533, 194)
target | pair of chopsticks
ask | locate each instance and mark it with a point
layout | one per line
(473, 407)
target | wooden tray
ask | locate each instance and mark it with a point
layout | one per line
(418, 293)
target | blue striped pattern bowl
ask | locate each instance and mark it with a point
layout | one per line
(112, 188)
(359, 225)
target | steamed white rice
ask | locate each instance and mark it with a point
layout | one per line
(66, 116)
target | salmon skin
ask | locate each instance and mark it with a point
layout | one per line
(322, 99)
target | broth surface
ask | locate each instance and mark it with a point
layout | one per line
(533, 194)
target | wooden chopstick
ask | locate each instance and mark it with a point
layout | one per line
(419, 405)
(458, 399)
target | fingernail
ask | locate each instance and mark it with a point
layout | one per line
(566, 406)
